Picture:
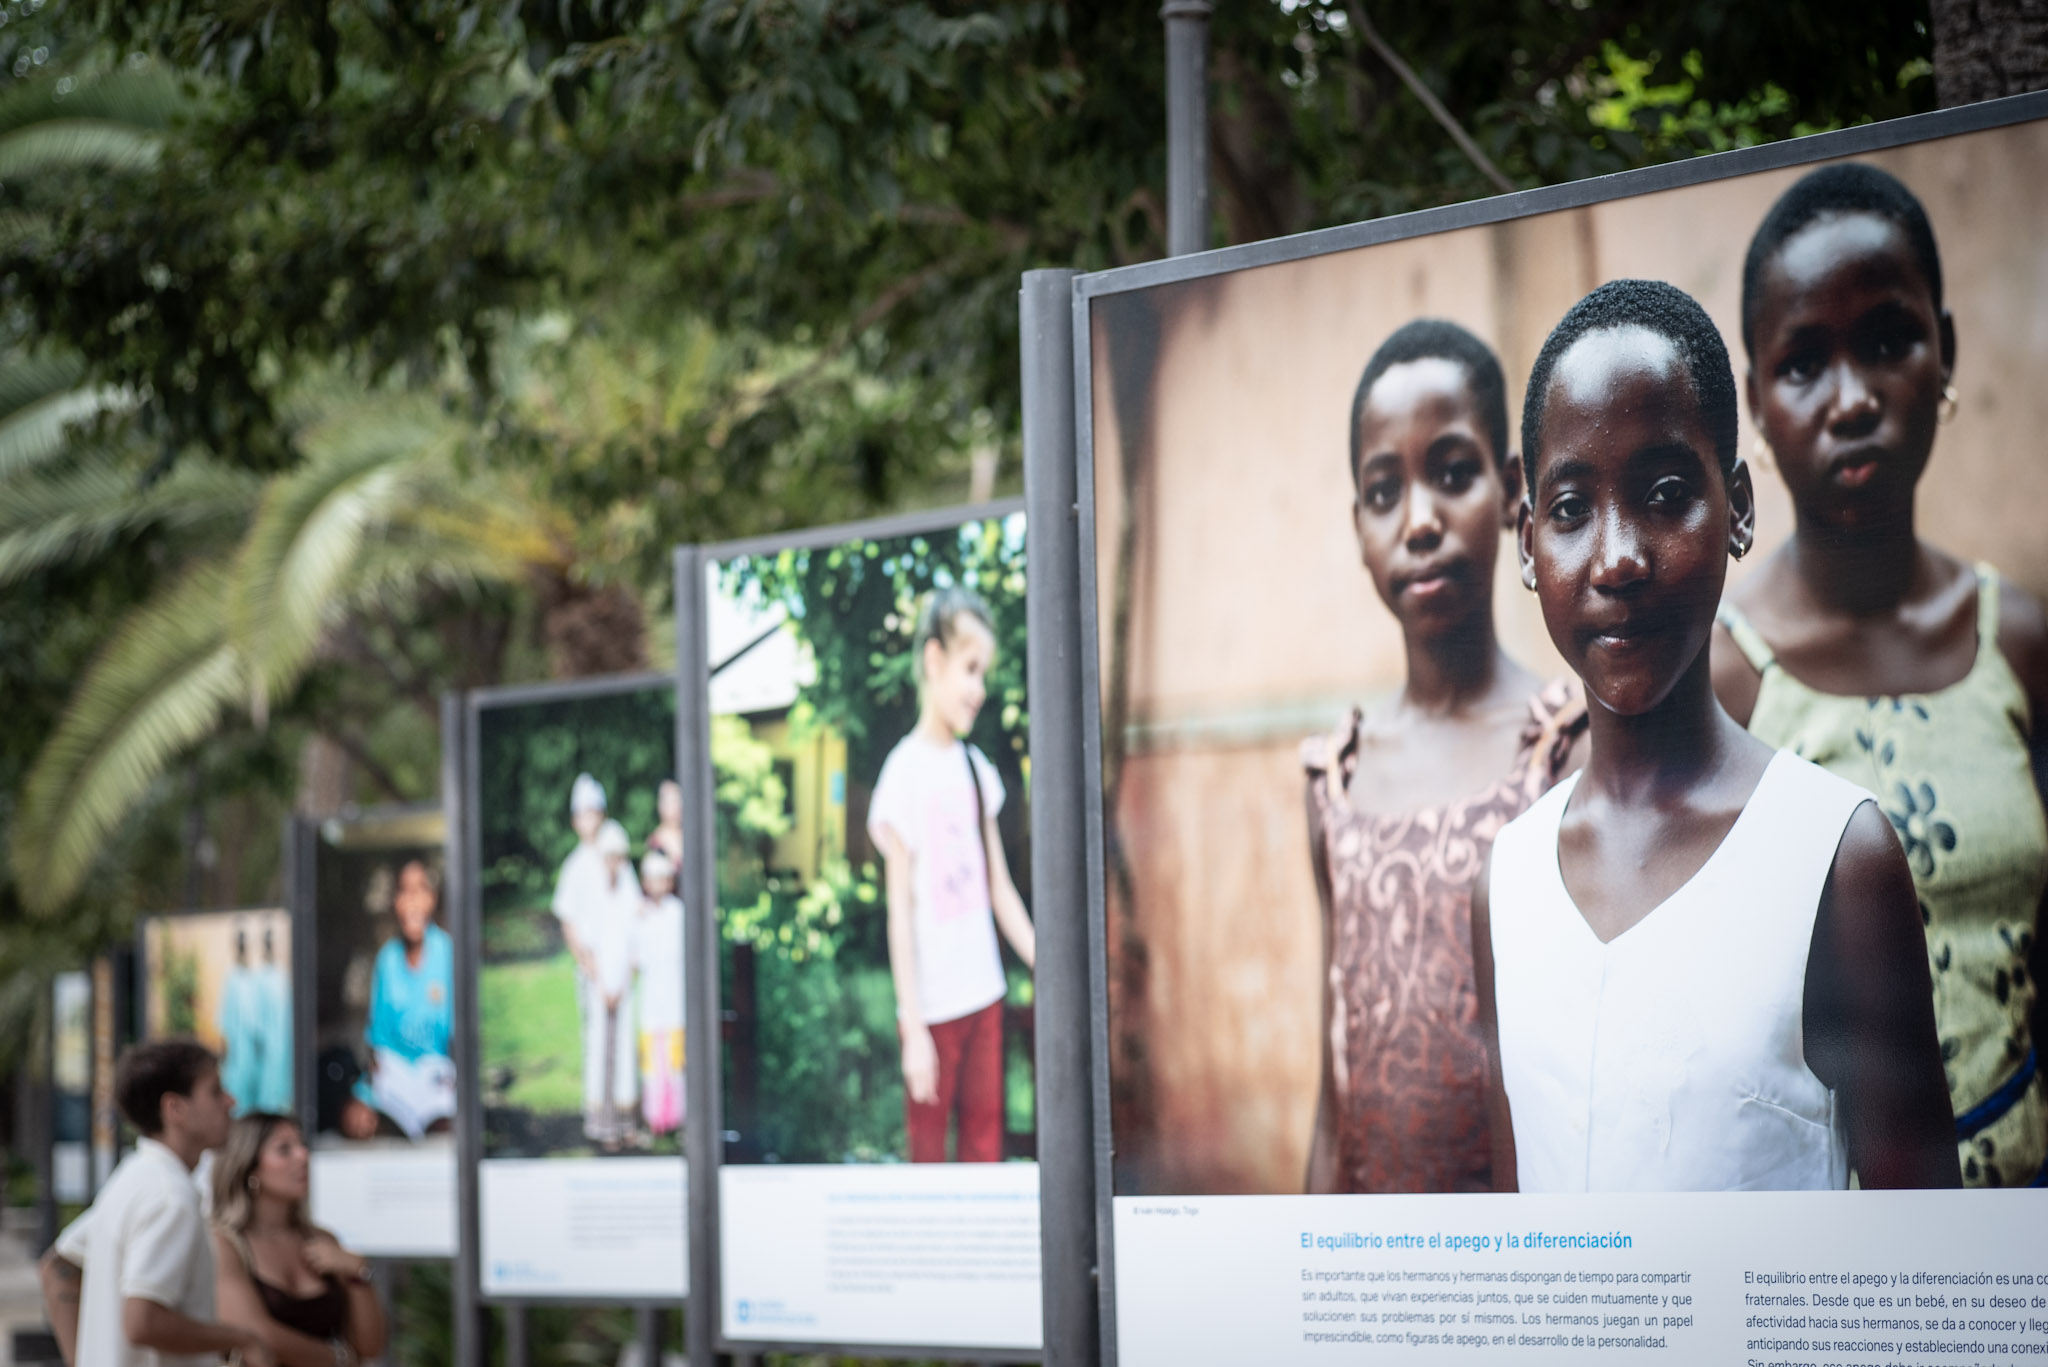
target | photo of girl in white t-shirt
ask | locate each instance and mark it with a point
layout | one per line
(933, 816)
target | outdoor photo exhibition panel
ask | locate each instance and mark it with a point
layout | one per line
(1300, 467)
(865, 727)
(71, 1060)
(225, 979)
(378, 1084)
(574, 944)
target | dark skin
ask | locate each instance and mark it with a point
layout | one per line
(1851, 354)
(1625, 542)
(1431, 500)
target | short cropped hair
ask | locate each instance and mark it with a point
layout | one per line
(1665, 310)
(1848, 188)
(151, 1071)
(1435, 339)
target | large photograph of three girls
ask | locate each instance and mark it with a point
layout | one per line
(1572, 696)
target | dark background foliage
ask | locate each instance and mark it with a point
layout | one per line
(528, 758)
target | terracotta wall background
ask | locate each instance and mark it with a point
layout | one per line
(1251, 623)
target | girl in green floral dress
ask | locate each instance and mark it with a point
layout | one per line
(1864, 649)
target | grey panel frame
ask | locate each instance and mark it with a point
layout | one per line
(702, 1085)
(704, 1081)
(1059, 880)
(301, 836)
(472, 1337)
(465, 813)
(1704, 170)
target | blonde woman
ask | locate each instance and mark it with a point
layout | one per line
(309, 1298)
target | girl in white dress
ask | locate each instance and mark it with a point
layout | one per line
(658, 952)
(1699, 961)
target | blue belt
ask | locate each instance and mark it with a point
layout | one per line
(1999, 1102)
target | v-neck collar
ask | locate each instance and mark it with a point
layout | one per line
(1556, 860)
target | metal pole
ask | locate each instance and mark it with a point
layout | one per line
(384, 1280)
(46, 1125)
(1187, 126)
(472, 1318)
(517, 1353)
(301, 846)
(647, 1324)
(703, 1133)
(1052, 607)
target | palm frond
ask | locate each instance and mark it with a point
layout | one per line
(79, 512)
(29, 379)
(40, 399)
(159, 685)
(311, 526)
(143, 96)
(100, 143)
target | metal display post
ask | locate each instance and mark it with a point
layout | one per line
(472, 1320)
(703, 1127)
(1059, 881)
(647, 1324)
(46, 1123)
(516, 1350)
(1187, 125)
(301, 838)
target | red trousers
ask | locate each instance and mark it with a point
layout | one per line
(970, 1053)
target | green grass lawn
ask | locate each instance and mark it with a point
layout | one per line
(527, 1012)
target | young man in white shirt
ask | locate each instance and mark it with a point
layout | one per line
(130, 1283)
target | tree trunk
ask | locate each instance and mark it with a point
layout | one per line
(1986, 49)
(326, 778)
(590, 630)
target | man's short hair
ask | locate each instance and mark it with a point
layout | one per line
(151, 1071)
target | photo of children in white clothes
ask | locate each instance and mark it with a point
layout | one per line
(572, 794)
(625, 930)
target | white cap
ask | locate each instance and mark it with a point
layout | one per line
(586, 794)
(611, 839)
(655, 864)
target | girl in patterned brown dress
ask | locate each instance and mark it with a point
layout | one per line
(1403, 805)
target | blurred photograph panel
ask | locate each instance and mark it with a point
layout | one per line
(580, 992)
(384, 1081)
(872, 783)
(71, 1076)
(224, 979)
(1333, 709)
